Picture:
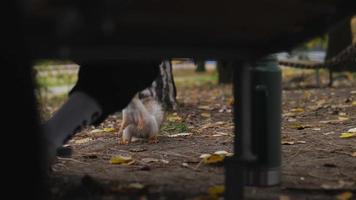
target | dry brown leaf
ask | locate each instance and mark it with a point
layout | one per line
(353, 154)
(180, 135)
(297, 110)
(340, 118)
(82, 141)
(210, 108)
(219, 134)
(206, 115)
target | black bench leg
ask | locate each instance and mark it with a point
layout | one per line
(257, 118)
(235, 166)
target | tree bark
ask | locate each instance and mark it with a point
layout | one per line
(225, 71)
(200, 66)
(163, 89)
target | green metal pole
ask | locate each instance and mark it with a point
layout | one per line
(266, 123)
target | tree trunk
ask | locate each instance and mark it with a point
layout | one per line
(200, 66)
(225, 71)
(163, 89)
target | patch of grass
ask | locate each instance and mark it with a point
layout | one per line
(191, 78)
(174, 127)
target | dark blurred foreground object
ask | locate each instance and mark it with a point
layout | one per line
(340, 55)
(341, 36)
(101, 31)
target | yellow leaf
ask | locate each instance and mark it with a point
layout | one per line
(216, 190)
(121, 160)
(347, 135)
(354, 103)
(205, 108)
(214, 159)
(297, 110)
(174, 118)
(206, 115)
(96, 131)
(137, 186)
(108, 129)
(343, 118)
(344, 196)
(82, 141)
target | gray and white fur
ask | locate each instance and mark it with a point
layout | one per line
(142, 118)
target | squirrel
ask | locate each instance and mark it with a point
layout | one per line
(142, 118)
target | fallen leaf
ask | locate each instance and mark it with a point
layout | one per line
(216, 157)
(297, 110)
(206, 115)
(338, 185)
(108, 129)
(352, 130)
(96, 131)
(342, 114)
(329, 133)
(353, 103)
(120, 160)
(220, 134)
(185, 165)
(138, 186)
(179, 135)
(223, 153)
(205, 108)
(344, 196)
(343, 118)
(149, 160)
(174, 119)
(82, 141)
(353, 154)
(205, 155)
(164, 161)
(284, 197)
(216, 190)
(348, 135)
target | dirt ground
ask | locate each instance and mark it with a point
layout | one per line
(317, 163)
